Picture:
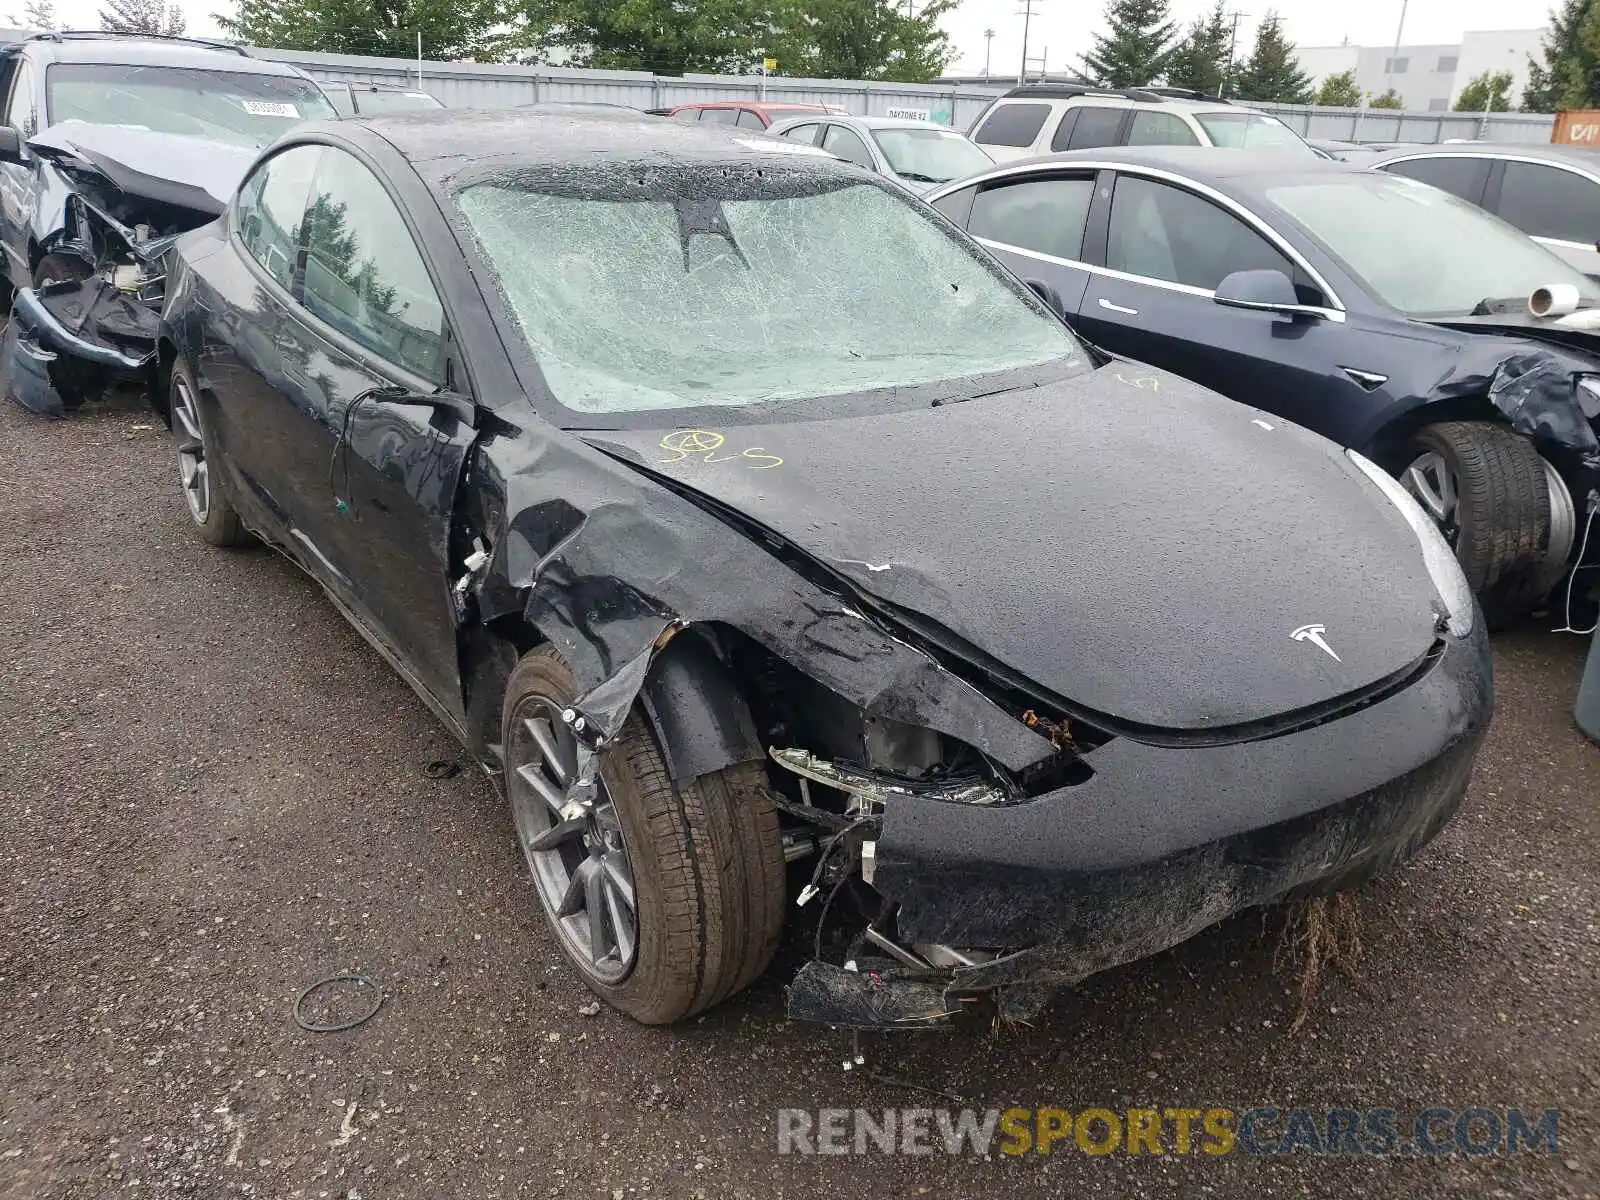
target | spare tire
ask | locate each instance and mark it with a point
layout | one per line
(1486, 487)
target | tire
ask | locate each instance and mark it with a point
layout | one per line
(213, 517)
(1501, 523)
(59, 268)
(705, 861)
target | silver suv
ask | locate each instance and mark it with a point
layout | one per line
(1039, 119)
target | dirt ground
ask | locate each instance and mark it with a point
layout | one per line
(213, 793)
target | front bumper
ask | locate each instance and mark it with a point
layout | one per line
(1163, 842)
(68, 341)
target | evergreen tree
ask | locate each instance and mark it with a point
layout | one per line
(1201, 60)
(1567, 70)
(1340, 90)
(1272, 72)
(1134, 52)
(142, 16)
(1488, 92)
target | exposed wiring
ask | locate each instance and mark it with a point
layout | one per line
(341, 444)
(1583, 548)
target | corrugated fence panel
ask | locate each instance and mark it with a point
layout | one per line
(499, 85)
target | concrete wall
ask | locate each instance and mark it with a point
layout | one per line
(1434, 74)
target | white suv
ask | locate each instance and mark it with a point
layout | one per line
(1045, 118)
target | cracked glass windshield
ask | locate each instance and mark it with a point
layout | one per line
(642, 288)
(239, 107)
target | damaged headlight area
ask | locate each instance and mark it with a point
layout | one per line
(94, 317)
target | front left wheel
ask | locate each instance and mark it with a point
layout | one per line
(666, 897)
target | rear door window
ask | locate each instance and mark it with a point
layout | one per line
(750, 119)
(1013, 125)
(1550, 202)
(1062, 138)
(719, 116)
(806, 135)
(1046, 216)
(1456, 174)
(686, 115)
(1160, 129)
(1097, 125)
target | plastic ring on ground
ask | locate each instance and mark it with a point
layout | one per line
(339, 1027)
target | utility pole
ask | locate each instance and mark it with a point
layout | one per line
(1398, 33)
(1233, 52)
(1027, 20)
(988, 44)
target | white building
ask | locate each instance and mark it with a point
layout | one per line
(1428, 78)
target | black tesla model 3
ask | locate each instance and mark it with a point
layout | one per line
(755, 531)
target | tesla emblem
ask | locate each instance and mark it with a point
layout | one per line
(1313, 634)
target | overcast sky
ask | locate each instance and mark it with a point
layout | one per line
(1059, 27)
(1060, 30)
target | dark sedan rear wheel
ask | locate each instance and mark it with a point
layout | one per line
(214, 518)
(1487, 489)
(666, 898)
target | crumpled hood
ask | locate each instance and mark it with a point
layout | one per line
(129, 155)
(1125, 539)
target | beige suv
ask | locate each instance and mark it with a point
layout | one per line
(1045, 118)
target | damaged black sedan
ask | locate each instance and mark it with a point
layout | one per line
(769, 544)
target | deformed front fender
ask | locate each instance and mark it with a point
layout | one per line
(700, 719)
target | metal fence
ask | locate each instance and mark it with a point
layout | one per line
(497, 85)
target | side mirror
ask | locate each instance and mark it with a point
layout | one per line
(1263, 291)
(10, 145)
(1048, 294)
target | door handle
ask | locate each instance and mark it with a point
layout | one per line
(1117, 308)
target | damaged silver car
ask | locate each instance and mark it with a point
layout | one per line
(770, 545)
(113, 146)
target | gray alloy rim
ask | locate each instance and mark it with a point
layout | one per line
(193, 472)
(1432, 483)
(1563, 528)
(576, 852)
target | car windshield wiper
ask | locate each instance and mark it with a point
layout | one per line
(918, 176)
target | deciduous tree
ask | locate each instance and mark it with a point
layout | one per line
(1488, 92)
(142, 16)
(1340, 90)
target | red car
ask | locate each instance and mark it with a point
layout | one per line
(752, 114)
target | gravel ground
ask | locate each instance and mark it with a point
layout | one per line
(214, 794)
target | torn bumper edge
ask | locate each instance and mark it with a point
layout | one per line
(1161, 844)
(44, 358)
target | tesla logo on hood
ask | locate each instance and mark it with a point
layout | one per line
(1313, 634)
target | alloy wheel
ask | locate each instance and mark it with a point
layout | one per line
(193, 471)
(575, 850)
(1433, 485)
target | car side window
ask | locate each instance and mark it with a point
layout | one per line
(1163, 232)
(750, 120)
(1046, 216)
(1012, 125)
(271, 210)
(804, 134)
(1160, 129)
(719, 116)
(687, 115)
(22, 110)
(1063, 134)
(1549, 202)
(1098, 125)
(1456, 174)
(364, 274)
(847, 145)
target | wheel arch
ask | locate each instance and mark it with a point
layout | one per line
(1386, 445)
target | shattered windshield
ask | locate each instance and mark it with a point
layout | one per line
(930, 155)
(1419, 249)
(733, 285)
(227, 106)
